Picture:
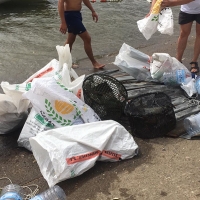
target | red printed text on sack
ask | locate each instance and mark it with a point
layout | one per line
(42, 73)
(111, 155)
(88, 156)
(83, 157)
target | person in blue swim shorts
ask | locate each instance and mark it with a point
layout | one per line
(71, 22)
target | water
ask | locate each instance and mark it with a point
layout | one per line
(29, 33)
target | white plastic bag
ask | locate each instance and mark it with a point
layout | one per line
(10, 119)
(163, 62)
(166, 22)
(148, 25)
(34, 124)
(160, 63)
(53, 106)
(6, 105)
(15, 91)
(64, 56)
(134, 62)
(66, 75)
(67, 152)
(54, 66)
(157, 20)
(178, 65)
(189, 88)
(58, 103)
(48, 70)
(60, 70)
(65, 79)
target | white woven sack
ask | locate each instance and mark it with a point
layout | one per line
(67, 152)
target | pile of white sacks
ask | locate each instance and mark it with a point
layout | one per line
(65, 135)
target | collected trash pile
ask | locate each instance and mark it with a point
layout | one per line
(162, 69)
(66, 135)
(70, 122)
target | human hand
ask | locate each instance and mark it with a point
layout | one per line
(63, 28)
(147, 14)
(95, 16)
(166, 3)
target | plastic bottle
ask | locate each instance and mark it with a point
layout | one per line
(197, 84)
(12, 192)
(177, 77)
(192, 124)
(53, 193)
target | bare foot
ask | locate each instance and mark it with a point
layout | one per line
(97, 65)
(74, 66)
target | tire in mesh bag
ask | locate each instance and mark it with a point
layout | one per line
(151, 115)
(106, 95)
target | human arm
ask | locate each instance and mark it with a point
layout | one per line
(61, 10)
(152, 4)
(89, 5)
(171, 3)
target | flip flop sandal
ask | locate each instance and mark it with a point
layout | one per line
(194, 67)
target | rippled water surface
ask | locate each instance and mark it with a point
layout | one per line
(29, 32)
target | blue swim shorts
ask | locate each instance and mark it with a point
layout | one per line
(185, 18)
(74, 22)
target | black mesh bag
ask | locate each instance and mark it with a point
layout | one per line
(106, 95)
(151, 115)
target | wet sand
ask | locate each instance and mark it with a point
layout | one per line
(166, 168)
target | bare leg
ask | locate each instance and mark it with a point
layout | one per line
(182, 40)
(88, 49)
(197, 44)
(70, 40)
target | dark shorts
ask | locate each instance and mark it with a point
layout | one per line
(74, 22)
(185, 18)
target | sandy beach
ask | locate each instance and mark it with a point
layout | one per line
(166, 168)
